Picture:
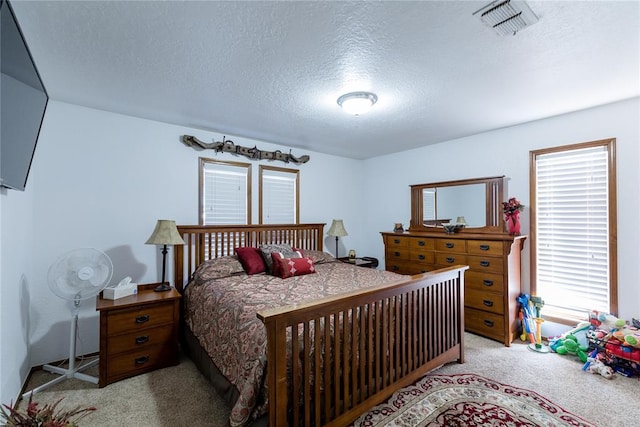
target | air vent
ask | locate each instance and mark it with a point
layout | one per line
(507, 17)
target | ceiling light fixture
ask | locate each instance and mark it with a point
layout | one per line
(507, 17)
(357, 103)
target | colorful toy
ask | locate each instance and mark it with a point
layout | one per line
(597, 367)
(605, 322)
(568, 344)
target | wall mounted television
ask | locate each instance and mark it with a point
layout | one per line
(23, 101)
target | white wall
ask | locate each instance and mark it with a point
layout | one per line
(506, 152)
(16, 249)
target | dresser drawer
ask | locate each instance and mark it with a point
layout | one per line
(451, 245)
(134, 341)
(487, 301)
(397, 241)
(484, 323)
(138, 318)
(422, 256)
(485, 263)
(405, 267)
(449, 259)
(397, 253)
(485, 247)
(144, 360)
(418, 243)
(484, 281)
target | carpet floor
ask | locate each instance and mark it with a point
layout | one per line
(180, 396)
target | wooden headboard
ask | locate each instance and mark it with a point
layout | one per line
(204, 242)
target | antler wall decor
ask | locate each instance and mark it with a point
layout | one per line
(227, 146)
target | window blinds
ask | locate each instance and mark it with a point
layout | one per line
(225, 194)
(278, 197)
(572, 255)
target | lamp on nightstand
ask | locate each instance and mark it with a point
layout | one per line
(337, 230)
(166, 233)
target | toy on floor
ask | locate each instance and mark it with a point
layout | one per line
(596, 366)
(568, 344)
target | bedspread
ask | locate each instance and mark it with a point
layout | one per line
(221, 313)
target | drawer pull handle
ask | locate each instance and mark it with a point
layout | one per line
(396, 241)
(141, 360)
(449, 245)
(142, 319)
(484, 247)
(487, 303)
(396, 254)
(485, 263)
(421, 257)
(488, 323)
(395, 268)
(420, 242)
(143, 339)
(487, 282)
(451, 260)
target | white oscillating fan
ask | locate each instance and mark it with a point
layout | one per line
(76, 276)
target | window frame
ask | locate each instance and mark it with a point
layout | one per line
(204, 161)
(610, 146)
(261, 171)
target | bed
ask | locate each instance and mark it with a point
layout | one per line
(313, 349)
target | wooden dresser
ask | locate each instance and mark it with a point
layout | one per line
(492, 283)
(138, 333)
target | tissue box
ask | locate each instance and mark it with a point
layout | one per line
(116, 292)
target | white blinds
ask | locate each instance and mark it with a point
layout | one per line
(428, 204)
(572, 233)
(279, 196)
(224, 194)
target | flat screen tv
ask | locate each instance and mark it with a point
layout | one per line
(23, 101)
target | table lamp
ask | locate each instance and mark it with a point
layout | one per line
(166, 233)
(337, 230)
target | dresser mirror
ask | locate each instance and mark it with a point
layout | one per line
(474, 202)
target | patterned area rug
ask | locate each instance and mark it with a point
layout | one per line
(467, 400)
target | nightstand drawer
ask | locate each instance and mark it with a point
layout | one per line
(144, 360)
(138, 318)
(139, 340)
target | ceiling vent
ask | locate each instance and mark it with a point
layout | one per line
(507, 17)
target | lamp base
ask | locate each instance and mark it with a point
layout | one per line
(162, 287)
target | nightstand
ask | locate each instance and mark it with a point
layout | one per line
(361, 262)
(138, 333)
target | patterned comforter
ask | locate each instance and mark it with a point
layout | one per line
(221, 305)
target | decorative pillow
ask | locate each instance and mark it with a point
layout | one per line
(289, 267)
(217, 268)
(286, 250)
(319, 257)
(276, 266)
(251, 259)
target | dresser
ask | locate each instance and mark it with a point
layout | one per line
(492, 283)
(138, 333)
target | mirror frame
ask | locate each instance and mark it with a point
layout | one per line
(494, 194)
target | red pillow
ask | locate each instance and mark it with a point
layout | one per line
(251, 260)
(289, 267)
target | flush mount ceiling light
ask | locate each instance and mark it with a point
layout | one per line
(357, 103)
(507, 17)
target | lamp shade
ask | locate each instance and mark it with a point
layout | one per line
(166, 233)
(337, 229)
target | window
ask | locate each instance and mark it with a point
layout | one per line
(279, 195)
(573, 229)
(225, 192)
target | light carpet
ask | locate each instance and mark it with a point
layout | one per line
(467, 400)
(180, 396)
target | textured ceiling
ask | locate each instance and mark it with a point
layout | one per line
(273, 70)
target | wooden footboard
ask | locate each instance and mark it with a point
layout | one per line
(377, 341)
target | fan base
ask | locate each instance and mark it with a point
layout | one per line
(162, 287)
